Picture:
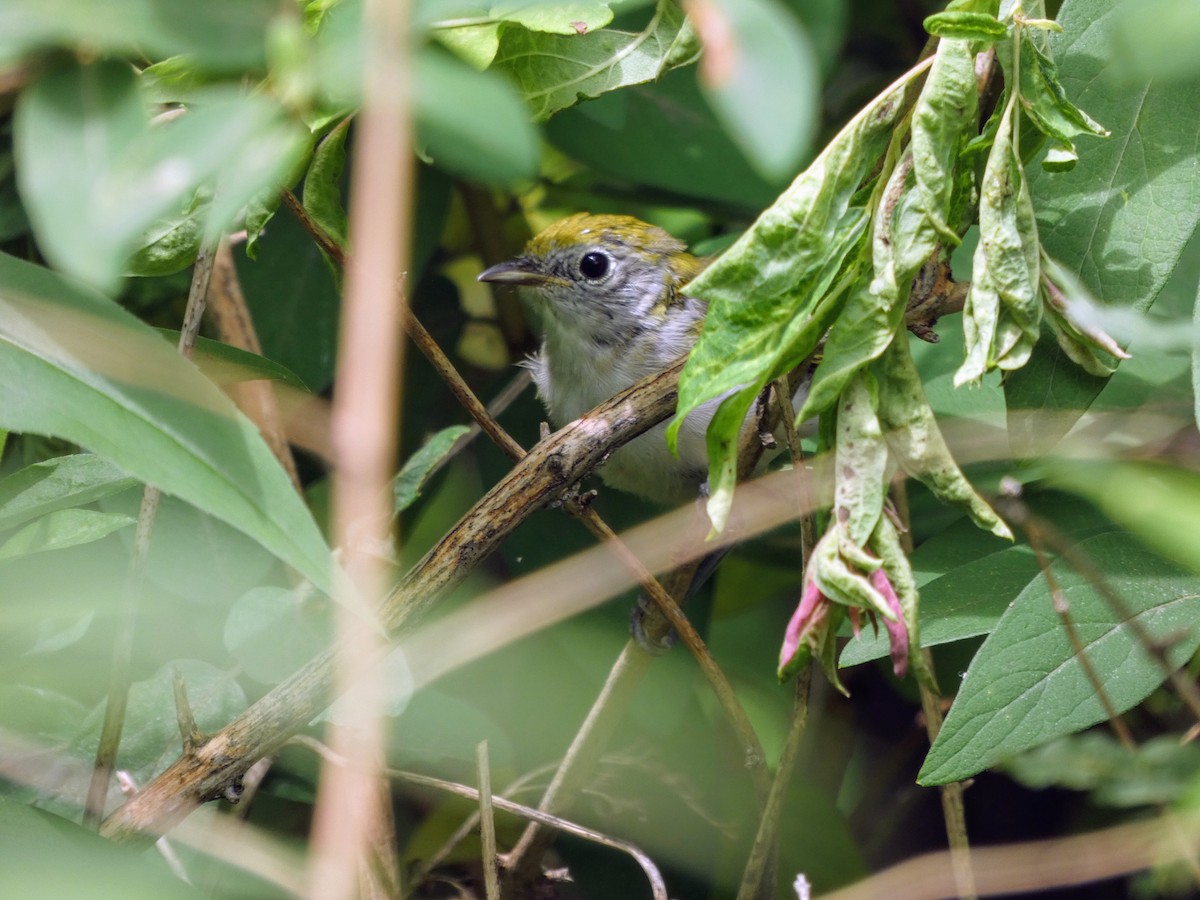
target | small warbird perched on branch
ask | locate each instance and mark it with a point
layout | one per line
(611, 292)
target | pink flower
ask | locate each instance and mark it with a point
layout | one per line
(897, 630)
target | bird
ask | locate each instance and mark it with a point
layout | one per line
(611, 291)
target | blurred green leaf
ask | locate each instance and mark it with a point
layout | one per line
(613, 132)
(571, 17)
(1096, 219)
(1157, 39)
(93, 374)
(473, 123)
(272, 632)
(417, 468)
(1026, 686)
(221, 35)
(94, 177)
(50, 857)
(554, 72)
(765, 85)
(62, 528)
(58, 483)
(1159, 502)
(1155, 772)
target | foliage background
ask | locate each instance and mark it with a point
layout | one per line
(94, 204)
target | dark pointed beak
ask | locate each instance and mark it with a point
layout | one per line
(521, 271)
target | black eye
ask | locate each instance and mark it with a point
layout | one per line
(594, 265)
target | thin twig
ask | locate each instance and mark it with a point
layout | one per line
(657, 885)
(954, 811)
(487, 823)
(754, 883)
(1062, 608)
(324, 240)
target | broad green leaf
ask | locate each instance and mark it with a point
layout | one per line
(294, 301)
(95, 177)
(58, 483)
(220, 35)
(1026, 687)
(1196, 359)
(1121, 217)
(571, 17)
(91, 373)
(60, 529)
(73, 126)
(554, 72)
(765, 85)
(412, 476)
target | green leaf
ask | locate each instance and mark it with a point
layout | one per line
(323, 183)
(966, 26)
(294, 301)
(220, 35)
(772, 294)
(95, 177)
(1045, 101)
(48, 856)
(767, 48)
(861, 464)
(91, 373)
(554, 72)
(1121, 217)
(72, 126)
(54, 484)
(1157, 39)
(917, 442)
(1003, 311)
(272, 632)
(570, 18)
(60, 529)
(473, 123)
(412, 476)
(1026, 686)
(611, 133)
